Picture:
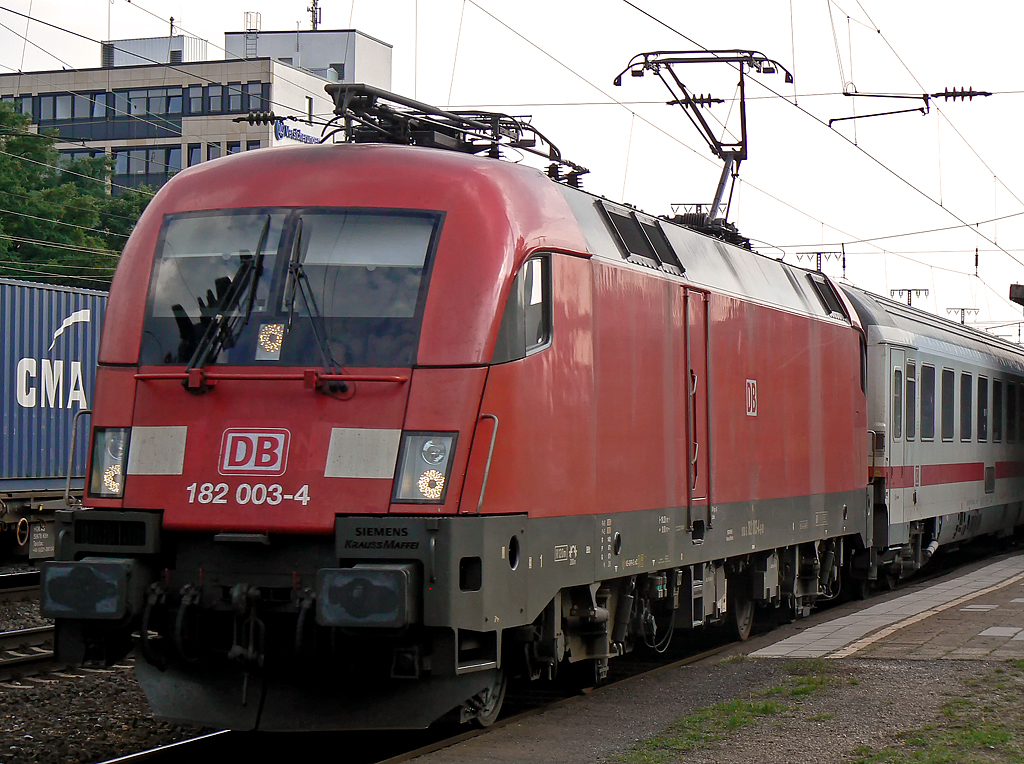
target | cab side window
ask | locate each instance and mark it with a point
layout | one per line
(526, 322)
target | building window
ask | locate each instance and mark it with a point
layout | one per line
(982, 409)
(214, 97)
(121, 103)
(927, 402)
(157, 101)
(212, 150)
(948, 396)
(195, 99)
(253, 96)
(26, 106)
(339, 71)
(137, 102)
(173, 101)
(195, 154)
(158, 160)
(234, 147)
(83, 106)
(62, 107)
(252, 145)
(99, 105)
(137, 162)
(120, 162)
(174, 159)
(45, 108)
(234, 96)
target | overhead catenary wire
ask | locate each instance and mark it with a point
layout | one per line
(700, 154)
(863, 151)
(51, 274)
(937, 108)
(63, 223)
(69, 247)
(71, 172)
(72, 206)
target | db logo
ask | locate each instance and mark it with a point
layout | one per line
(751, 397)
(254, 452)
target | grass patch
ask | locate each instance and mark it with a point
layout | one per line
(714, 723)
(700, 728)
(985, 727)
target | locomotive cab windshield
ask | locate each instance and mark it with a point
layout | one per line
(289, 287)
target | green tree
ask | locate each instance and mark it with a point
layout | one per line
(59, 223)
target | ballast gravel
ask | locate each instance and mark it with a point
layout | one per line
(79, 716)
(21, 615)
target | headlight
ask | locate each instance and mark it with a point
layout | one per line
(424, 466)
(109, 456)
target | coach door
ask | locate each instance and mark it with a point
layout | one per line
(897, 436)
(698, 452)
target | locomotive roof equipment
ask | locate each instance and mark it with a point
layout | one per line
(731, 153)
(373, 115)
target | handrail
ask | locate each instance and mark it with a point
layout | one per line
(71, 454)
(487, 467)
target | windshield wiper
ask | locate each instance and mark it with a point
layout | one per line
(222, 330)
(299, 282)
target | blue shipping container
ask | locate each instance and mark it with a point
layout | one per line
(48, 353)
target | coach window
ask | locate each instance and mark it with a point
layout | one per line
(911, 401)
(1011, 412)
(997, 410)
(948, 395)
(526, 322)
(927, 402)
(966, 408)
(982, 409)
(897, 404)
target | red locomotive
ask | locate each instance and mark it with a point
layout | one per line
(378, 426)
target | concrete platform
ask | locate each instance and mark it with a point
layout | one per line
(978, 615)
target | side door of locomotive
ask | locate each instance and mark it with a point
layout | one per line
(697, 412)
(897, 437)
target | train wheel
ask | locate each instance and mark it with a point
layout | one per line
(491, 705)
(741, 618)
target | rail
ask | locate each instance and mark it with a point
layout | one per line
(25, 647)
(19, 586)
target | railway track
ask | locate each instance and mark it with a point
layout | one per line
(19, 586)
(25, 652)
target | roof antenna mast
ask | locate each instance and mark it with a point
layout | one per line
(315, 14)
(662, 64)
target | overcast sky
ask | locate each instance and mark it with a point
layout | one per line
(804, 186)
